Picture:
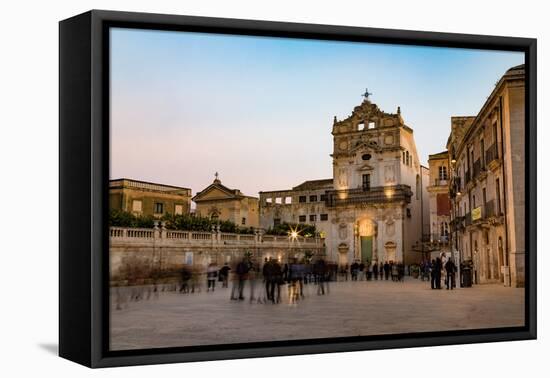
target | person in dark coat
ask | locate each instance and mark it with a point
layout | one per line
(450, 268)
(285, 273)
(267, 273)
(361, 271)
(211, 275)
(386, 270)
(224, 274)
(185, 277)
(319, 270)
(354, 270)
(242, 273)
(272, 275)
(433, 275)
(375, 271)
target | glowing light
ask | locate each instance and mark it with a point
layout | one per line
(389, 193)
(293, 233)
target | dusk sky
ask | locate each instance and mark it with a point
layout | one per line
(259, 110)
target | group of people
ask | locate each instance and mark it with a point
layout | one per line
(359, 271)
(434, 270)
(273, 274)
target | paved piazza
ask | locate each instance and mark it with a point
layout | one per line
(350, 309)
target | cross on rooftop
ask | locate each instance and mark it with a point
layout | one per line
(367, 94)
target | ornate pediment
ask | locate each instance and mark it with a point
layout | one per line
(365, 167)
(217, 192)
(367, 113)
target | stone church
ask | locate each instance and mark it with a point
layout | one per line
(375, 206)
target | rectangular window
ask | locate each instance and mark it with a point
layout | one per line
(302, 218)
(278, 200)
(178, 209)
(288, 200)
(269, 200)
(312, 198)
(366, 182)
(243, 221)
(302, 199)
(442, 173)
(312, 217)
(136, 206)
(324, 217)
(276, 222)
(497, 184)
(159, 208)
(323, 197)
(482, 147)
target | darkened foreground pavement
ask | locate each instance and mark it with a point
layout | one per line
(350, 309)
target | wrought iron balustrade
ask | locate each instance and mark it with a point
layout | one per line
(492, 153)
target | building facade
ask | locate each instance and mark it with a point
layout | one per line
(487, 188)
(305, 203)
(148, 199)
(440, 204)
(217, 201)
(372, 209)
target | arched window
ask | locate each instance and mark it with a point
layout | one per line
(403, 157)
(407, 154)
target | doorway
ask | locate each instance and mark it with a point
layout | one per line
(366, 249)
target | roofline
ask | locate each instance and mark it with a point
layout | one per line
(149, 182)
(506, 77)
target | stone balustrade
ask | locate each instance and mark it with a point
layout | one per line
(200, 238)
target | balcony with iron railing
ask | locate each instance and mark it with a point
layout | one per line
(373, 195)
(477, 168)
(492, 153)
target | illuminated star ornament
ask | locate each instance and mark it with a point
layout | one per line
(293, 233)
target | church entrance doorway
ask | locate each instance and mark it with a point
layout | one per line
(366, 249)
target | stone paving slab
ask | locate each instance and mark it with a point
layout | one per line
(350, 309)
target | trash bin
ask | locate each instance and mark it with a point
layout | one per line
(466, 273)
(466, 277)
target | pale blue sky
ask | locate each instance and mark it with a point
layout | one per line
(259, 110)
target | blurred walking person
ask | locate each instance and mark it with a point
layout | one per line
(224, 274)
(211, 275)
(242, 275)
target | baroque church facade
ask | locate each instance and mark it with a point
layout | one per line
(374, 208)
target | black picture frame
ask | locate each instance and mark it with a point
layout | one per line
(84, 177)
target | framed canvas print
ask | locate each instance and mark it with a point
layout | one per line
(235, 188)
